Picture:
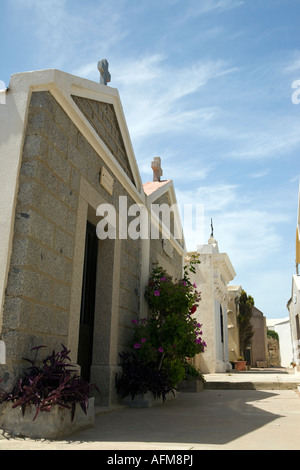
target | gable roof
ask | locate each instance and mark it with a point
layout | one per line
(103, 119)
(71, 92)
(154, 190)
(153, 186)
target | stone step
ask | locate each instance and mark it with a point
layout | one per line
(223, 385)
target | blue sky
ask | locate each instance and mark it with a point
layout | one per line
(207, 86)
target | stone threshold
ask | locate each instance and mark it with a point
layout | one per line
(222, 385)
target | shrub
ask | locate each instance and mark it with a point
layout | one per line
(138, 377)
(246, 303)
(169, 335)
(273, 334)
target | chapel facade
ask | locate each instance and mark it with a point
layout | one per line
(70, 192)
(212, 277)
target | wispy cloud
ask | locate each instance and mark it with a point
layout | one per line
(293, 64)
(276, 139)
(153, 93)
(64, 35)
(196, 8)
(248, 233)
(260, 174)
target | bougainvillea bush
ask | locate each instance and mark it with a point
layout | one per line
(170, 334)
(54, 382)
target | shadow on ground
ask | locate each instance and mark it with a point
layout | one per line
(213, 417)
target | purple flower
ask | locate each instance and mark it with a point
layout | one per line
(195, 286)
(161, 350)
(143, 340)
(157, 293)
(136, 345)
(163, 279)
(134, 321)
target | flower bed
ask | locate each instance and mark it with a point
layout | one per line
(51, 425)
(44, 402)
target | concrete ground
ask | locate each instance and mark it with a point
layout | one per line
(222, 417)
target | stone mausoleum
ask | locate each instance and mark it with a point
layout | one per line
(66, 157)
(212, 277)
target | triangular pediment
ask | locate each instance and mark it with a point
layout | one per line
(103, 119)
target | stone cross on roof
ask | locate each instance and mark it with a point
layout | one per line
(104, 73)
(156, 167)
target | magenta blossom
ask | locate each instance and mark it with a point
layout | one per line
(163, 279)
(143, 340)
(134, 321)
(136, 345)
(161, 350)
(157, 293)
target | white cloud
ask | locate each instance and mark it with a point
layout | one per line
(250, 234)
(260, 174)
(153, 94)
(294, 63)
(65, 35)
(274, 137)
(196, 8)
(215, 198)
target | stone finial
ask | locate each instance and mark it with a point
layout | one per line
(104, 73)
(156, 167)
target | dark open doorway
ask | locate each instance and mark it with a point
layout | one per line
(87, 313)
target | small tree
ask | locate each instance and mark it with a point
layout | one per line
(246, 303)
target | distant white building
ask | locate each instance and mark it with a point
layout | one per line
(294, 311)
(212, 277)
(294, 302)
(282, 327)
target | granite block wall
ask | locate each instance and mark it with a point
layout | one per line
(56, 158)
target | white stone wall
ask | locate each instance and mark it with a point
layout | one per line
(294, 311)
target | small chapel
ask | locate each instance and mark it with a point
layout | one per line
(212, 277)
(67, 157)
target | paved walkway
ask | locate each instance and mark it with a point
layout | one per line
(215, 419)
